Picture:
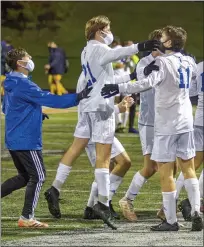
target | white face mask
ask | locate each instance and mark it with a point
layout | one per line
(29, 66)
(108, 39)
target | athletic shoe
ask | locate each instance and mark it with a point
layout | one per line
(52, 197)
(185, 208)
(31, 223)
(120, 128)
(127, 208)
(104, 212)
(133, 130)
(165, 226)
(197, 222)
(89, 214)
(113, 213)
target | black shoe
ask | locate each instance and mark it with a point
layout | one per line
(52, 197)
(197, 222)
(104, 212)
(89, 214)
(120, 128)
(113, 213)
(185, 208)
(165, 226)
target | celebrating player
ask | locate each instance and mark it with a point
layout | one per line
(97, 119)
(197, 88)
(173, 124)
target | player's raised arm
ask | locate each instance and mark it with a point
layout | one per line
(108, 55)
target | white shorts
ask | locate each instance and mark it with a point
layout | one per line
(96, 126)
(146, 138)
(167, 147)
(117, 148)
(198, 135)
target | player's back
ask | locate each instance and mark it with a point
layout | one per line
(173, 109)
(146, 116)
(96, 75)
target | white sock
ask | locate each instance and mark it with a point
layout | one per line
(62, 174)
(192, 188)
(115, 182)
(169, 206)
(201, 184)
(179, 184)
(93, 194)
(118, 118)
(102, 178)
(125, 119)
(135, 186)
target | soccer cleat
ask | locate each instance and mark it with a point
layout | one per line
(31, 223)
(104, 212)
(89, 214)
(185, 208)
(127, 208)
(165, 226)
(133, 130)
(120, 128)
(197, 222)
(161, 214)
(52, 197)
(113, 213)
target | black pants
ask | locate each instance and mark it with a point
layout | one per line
(132, 112)
(31, 173)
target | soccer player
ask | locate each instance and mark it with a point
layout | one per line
(173, 136)
(118, 156)
(146, 131)
(97, 121)
(197, 88)
(23, 130)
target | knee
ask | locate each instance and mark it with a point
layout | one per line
(127, 164)
(38, 178)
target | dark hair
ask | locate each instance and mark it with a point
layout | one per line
(177, 35)
(14, 55)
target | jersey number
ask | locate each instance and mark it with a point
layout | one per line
(184, 80)
(202, 88)
(92, 79)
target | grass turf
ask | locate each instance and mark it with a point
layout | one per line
(58, 135)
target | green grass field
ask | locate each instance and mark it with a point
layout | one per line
(57, 136)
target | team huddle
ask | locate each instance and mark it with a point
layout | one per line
(165, 79)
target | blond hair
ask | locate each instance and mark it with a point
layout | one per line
(156, 34)
(94, 24)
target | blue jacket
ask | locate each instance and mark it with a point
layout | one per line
(23, 112)
(57, 61)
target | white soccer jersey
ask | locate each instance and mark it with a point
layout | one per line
(146, 116)
(173, 109)
(119, 71)
(197, 88)
(96, 60)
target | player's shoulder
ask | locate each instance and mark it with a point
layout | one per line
(200, 66)
(146, 60)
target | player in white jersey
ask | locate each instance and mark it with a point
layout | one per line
(146, 132)
(173, 124)
(97, 121)
(197, 88)
(121, 164)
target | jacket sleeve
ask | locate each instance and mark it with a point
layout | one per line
(32, 93)
(155, 78)
(108, 55)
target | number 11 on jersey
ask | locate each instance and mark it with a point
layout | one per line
(184, 77)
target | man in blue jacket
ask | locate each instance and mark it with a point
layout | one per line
(22, 107)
